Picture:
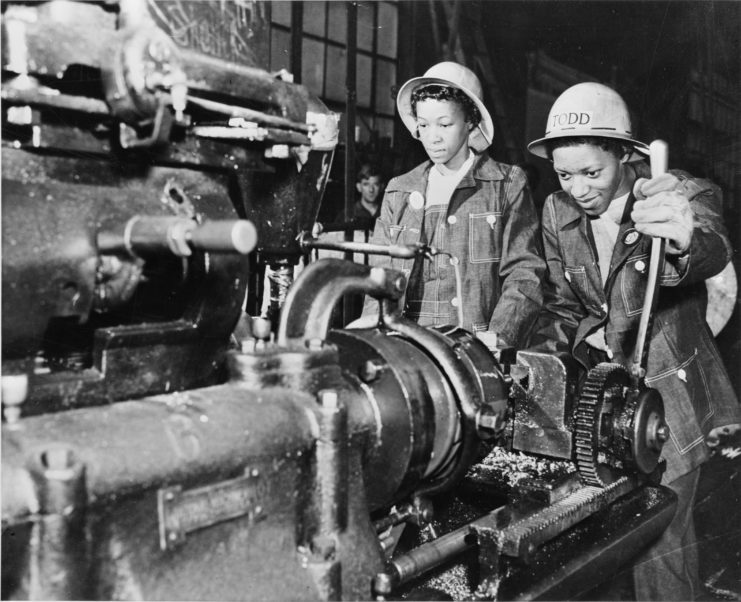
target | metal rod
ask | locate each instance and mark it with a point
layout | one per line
(249, 114)
(398, 251)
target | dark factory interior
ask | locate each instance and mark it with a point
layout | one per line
(217, 381)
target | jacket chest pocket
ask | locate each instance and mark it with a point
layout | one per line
(576, 276)
(485, 237)
(633, 278)
(402, 234)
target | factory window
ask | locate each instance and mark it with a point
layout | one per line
(323, 59)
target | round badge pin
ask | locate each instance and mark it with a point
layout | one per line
(631, 237)
(416, 200)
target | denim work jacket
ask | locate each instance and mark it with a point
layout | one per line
(491, 228)
(683, 361)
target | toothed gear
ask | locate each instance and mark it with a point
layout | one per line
(600, 418)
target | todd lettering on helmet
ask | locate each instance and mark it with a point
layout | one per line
(564, 119)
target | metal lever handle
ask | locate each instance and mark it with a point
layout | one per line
(143, 235)
(659, 152)
(398, 251)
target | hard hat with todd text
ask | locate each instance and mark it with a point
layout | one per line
(589, 109)
(454, 75)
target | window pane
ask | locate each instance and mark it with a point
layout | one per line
(385, 129)
(363, 79)
(281, 12)
(312, 65)
(385, 81)
(365, 25)
(336, 65)
(337, 21)
(280, 49)
(387, 29)
(314, 17)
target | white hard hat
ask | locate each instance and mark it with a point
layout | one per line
(454, 75)
(589, 109)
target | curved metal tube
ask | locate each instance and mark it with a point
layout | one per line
(307, 312)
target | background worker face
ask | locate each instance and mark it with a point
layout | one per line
(369, 189)
(591, 175)
(443, 130)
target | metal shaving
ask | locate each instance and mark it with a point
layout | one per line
(516, 466)
(454, 581)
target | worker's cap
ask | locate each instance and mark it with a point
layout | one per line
(589, 109)
(454, 75)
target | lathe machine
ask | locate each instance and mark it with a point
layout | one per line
(157, 443)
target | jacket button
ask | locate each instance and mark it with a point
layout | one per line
(610, 354)
(452, 219)
(454, 301)
(567, 275)
(640, 266)
(682, 375)
(491, 219)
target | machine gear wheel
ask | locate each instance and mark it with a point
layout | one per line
(619, 429)
(602, 402)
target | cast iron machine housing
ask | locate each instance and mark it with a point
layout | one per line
(150, 453)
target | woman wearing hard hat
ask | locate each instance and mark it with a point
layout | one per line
(477, 212)
(597, 237)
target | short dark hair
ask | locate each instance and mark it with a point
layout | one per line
(368, 170)
(438, 92)
(618, 148)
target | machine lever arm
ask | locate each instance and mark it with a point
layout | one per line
(659, 160)
(397, 251)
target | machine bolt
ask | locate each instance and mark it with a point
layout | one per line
(15, 391)
(399, 284)
(490, 420)
(261, 328)
(370, 370)
(328, 399)
(662, 433)
(20, 115)
(382, 584)
(315, 344)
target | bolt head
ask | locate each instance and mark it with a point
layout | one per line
(314, 344)
(329, 399)
(369, 371)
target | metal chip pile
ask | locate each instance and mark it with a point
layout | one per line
(516, 466)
